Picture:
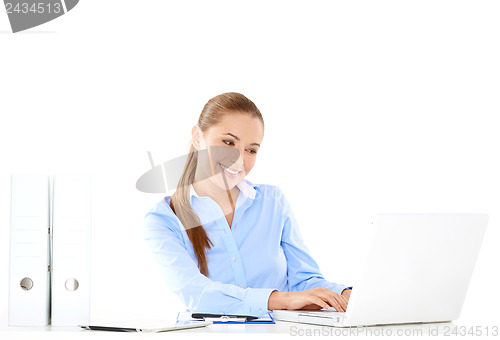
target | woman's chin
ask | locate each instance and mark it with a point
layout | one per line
(230, 181)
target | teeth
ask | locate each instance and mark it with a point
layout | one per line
(232, 172)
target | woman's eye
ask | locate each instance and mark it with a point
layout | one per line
(227, 142)
(252, 151)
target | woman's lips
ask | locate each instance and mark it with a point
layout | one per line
(230, 172)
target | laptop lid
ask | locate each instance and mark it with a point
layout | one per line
(418, 269)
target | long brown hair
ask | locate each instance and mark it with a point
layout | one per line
(211, 114)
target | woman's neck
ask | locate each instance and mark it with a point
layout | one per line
(226, 199)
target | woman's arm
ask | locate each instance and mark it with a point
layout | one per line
(303, 272)
(181, 273)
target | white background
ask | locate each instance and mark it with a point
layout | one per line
(369, 106)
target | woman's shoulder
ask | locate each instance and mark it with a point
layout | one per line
(161, 207)
(268, 191)
(161, 211)
(268, 188)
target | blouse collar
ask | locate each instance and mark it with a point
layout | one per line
(247, 188)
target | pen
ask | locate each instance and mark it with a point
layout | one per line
(221, 316)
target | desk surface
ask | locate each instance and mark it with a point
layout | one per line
(280, 327)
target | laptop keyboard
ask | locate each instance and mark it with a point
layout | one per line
(326, 312)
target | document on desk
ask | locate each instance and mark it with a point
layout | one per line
(233, 319)
(146, 326)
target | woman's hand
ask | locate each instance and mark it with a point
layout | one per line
(346, 293)
(312, 299)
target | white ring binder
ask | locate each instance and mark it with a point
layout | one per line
(71, 250)
(29, 280)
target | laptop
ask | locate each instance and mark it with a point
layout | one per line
(417, 270)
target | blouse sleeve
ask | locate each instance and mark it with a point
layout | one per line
(303, 271)
(181, 273)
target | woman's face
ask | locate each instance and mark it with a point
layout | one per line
(234, 142)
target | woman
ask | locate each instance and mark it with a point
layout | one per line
(224, 244)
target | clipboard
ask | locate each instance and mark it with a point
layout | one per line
(226, 319)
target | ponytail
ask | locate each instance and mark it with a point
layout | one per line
(181, 205)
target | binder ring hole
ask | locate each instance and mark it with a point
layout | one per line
(71, 284)
(26, 283)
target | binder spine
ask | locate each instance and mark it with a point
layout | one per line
(71, 235)
(29, 275)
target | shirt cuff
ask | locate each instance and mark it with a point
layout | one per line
(257, 299)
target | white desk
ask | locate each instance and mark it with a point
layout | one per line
(222, 330)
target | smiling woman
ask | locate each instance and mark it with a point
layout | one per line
(227, 112)
(224, 244)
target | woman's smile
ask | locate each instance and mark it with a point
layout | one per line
(230, 172)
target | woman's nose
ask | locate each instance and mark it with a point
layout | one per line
(239, 161)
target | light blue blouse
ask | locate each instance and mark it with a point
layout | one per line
(263, 251)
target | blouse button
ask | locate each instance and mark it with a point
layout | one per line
(234, 258)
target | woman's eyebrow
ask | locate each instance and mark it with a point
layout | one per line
(238, 138)
(230, 134)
